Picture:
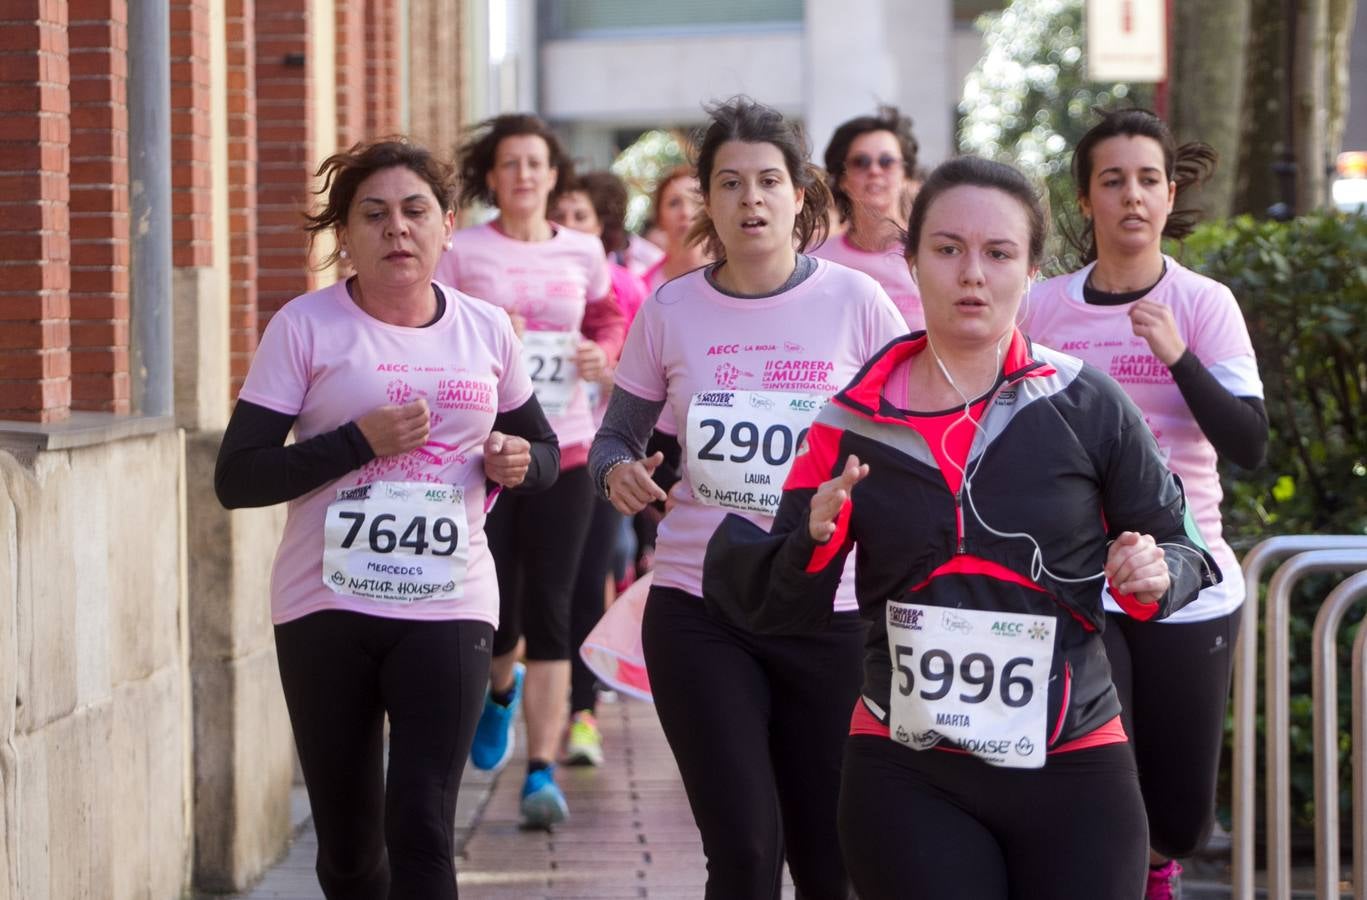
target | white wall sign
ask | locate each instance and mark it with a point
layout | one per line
(1127, 40)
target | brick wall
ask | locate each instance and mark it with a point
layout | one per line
(64, 158)
(285, 140)
(35, 238)
(99, 205)
(191, 176)
(352, 97)
(383, 69)
(242, 219)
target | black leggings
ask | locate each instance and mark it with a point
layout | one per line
(586, 606)
(757, 724)
(536, 541)
(1174, 712)
(383, 837)
(938, 825)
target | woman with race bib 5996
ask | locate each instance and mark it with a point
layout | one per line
(986, 487)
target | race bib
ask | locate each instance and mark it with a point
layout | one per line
(978, 679)
(397, 542)
(549, 357)
(741, 445)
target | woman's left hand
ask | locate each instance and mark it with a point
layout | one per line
(590, 359)
(506, 458)
(1155, 324)
(1137, 566)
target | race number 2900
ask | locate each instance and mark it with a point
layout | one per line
(741, 444)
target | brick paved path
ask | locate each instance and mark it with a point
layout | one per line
(630, 833)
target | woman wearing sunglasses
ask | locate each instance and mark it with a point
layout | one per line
(869, 166)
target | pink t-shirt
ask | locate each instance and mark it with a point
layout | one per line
(641, 254)
(548, 283)
(326, 362)
(1212, 326)
(889, 269)
(629, 289)
(691, 339)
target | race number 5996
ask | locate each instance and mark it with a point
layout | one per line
(976, 671)
(385, 533)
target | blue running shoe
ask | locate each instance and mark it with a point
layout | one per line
(494, 735)
(543, 803)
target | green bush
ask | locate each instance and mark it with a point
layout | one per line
(1303, 289)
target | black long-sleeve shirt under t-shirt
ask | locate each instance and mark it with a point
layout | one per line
(256, 468)
(1235, 426)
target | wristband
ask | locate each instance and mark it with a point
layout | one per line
(621, 460)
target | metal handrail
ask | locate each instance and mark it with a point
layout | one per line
(1326, 729)
(1359, 767)
(1278, 703)
(1265, 554)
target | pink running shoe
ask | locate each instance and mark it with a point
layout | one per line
(1165, 882)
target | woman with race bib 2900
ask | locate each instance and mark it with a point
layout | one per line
(743, 353)
(987, 486)
(555, 285)
(404, 396)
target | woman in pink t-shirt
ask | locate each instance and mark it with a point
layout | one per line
(742, 354)
(870, 163)
(595, 203)
(675, 207)
(1177, 343)
(404, 397)
(554, 284)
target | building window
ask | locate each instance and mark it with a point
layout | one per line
(587, 18)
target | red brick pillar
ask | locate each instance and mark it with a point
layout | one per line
(99, 205)
(383, 76)
(242, 160)
(192, 202)
(35, 237)
(352, 89)
(285, 144)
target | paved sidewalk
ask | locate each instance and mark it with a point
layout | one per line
(630, 833)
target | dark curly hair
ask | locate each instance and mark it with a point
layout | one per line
(744, 119)
(1188, 166)
(889, 119)
(343, 173)
(974, 171)
(476, 155)
(608, 197)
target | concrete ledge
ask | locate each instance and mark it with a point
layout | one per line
(82, 429)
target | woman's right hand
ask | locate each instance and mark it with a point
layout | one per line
(393, 430)
(630, 487)
(831, 497)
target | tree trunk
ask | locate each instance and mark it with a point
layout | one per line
(1342, 14)
(1263, 117)
(1309, 103)
(1209, 45)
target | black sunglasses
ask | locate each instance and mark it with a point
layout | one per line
(862, 162)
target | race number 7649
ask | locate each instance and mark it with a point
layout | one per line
(383, 533)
